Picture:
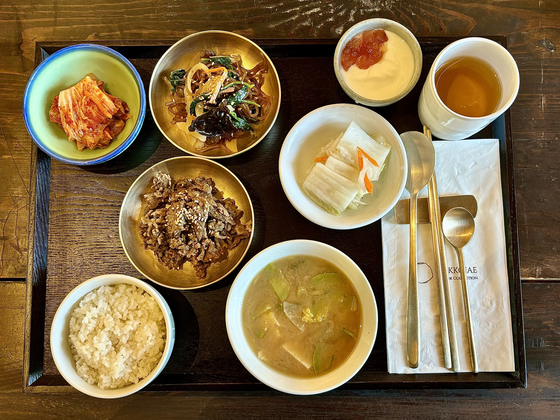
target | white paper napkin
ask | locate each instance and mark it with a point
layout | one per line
(462, 167)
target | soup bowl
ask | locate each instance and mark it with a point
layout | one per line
(283, 381)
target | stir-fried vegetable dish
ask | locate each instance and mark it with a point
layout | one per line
(219, 100)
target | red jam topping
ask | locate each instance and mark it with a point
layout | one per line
(364, 50)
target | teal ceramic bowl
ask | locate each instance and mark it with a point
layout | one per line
(65, 68)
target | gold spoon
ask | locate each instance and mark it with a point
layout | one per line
(458, 228)
(421, 158)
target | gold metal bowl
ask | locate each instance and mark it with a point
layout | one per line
(186, 53)
(132, 210)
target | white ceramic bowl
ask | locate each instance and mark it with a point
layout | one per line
(60, 347)
(314, 131)
(389, 25)
(273, 378)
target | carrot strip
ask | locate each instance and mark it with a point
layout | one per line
(372, 160)
(215, 70)
(321, 159)
(367, 182)
(369, 185)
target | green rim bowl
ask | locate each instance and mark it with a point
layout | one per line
(65, 68)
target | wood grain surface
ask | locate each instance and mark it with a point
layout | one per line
(532, 29)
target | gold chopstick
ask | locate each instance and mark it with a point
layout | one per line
(448, 333)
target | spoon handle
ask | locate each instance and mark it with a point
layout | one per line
(467, 309)
(413, 332)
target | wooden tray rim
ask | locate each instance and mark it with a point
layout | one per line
(36, 382)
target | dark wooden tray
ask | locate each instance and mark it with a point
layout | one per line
(74, 231)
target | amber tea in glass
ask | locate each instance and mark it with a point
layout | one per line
(468, 86)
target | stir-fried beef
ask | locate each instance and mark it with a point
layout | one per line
(189, 220)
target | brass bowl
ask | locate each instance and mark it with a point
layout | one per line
(132, 210)
(186, 53)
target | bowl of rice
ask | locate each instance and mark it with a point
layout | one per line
(112, 335)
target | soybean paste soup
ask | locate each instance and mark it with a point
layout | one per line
(302, 316)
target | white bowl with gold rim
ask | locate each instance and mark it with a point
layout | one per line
(399, 30)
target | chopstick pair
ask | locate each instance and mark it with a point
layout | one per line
(447, 323)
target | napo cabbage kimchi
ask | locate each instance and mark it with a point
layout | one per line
(90, 117)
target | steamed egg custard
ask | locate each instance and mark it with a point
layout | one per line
(302, 316)
(380, 71)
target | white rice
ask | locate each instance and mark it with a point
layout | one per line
(117, 335)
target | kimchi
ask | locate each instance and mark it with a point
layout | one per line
(88, 115)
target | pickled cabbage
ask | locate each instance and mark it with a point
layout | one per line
(345, 169)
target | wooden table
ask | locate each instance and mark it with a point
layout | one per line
(532, 29)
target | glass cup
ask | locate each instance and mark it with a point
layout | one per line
(449, 125)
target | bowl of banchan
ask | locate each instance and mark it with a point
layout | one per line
(343, 166)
